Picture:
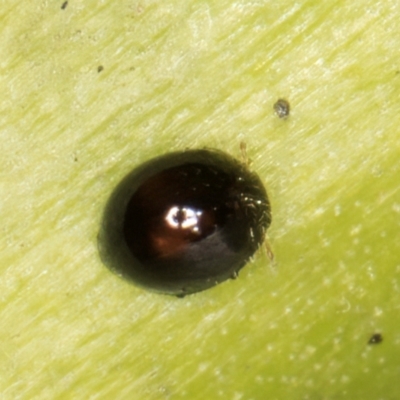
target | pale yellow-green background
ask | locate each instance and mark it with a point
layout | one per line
(181, 74)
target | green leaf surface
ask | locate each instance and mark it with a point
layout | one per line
(90, 91)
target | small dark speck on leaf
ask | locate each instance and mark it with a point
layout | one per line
(282, 108)
(376, 338)
(100, 68)
(64, 5)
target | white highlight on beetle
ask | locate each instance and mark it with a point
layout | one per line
(184, 218)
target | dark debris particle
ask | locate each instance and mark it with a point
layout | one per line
(100, 68)
(64, 5)
(282, 108)
(376, 338)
